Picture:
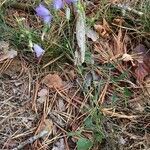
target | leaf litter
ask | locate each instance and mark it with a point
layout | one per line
(119, 78)
(6, 52)
(53, 81)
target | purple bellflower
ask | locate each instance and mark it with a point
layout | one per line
(70, 1)
(44, 14)
(58, 4)
(38, 50)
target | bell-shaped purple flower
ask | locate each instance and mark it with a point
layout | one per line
(58, 4)
(47, 19)
(44, 14)
(38, 50)
(70, 1)
(42, 11)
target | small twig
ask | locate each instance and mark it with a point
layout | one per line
(52, 61)
(127, 8)
(32, 139)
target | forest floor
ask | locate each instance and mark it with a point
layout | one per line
(55, 102)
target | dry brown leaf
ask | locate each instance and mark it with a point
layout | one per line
(61, 105)
(143, 62)
(147, 86)
(8, 55)
(4, 47)
(53, 81)
(48, 125)
(42, 94)
(103, 30)
(118, 21)
(59, 145)
(141, 72)
(127, 57)
(72, 74)
(92, 34)
(5, 52)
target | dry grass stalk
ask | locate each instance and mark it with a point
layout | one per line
(106, 111)
(103, 94)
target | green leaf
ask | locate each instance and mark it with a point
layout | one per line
(98, 136)
(127, 93)
(89, 123)
(114, 98)
(84, 144)
(88, 57)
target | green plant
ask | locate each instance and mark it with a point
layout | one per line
(84, 144)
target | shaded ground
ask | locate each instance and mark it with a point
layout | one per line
(101, 105)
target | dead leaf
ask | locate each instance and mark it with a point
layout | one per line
(48, 125)
(88, 80)
(61, 105)
(141, 50)
(147, 86)
(5, 52)
(143, 62)
(118, 21)
(122, 141)
(104, 29)
(12, 53)
(127, 57)
(53, 81)
(42, 94)
(8, 55)
(101, 30)
(4, 47)
(72, 74)
(59, 145)
(138, 107)
(92, 34)
(14, 69)
(141, 72)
